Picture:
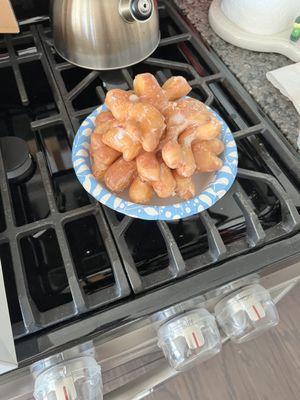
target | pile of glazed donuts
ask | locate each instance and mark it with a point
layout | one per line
(152, 140)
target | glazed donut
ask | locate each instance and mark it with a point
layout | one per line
(206, 161)
(148, 166)
(150, 121)
(103, 122)
(119, 101)
(166, 185)
(215, 146)
(172, 154)
(206, 131)
(185, 114)
(120, 175)
(176, 87)
(152, 140)
(124, 137)
(185, 187)
(102, 156)
(140, 191)
(188, 165)
(149, 91)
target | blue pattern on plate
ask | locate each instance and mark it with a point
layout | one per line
(222, 182)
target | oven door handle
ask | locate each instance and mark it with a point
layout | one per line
(146, 384)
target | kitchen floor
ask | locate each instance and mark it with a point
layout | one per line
(267, 368)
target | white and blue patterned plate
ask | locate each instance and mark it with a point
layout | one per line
(214, 189)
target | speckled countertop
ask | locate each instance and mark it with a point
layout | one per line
(250, 68)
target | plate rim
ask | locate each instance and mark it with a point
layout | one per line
(224, 178)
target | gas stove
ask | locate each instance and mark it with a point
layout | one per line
(73, 267)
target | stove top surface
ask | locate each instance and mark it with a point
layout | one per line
(65, 256)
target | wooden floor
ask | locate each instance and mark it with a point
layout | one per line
(267, 368)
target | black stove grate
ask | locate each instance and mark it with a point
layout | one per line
(208, 244)
(260, 208)
(49, 280)
(209, 240)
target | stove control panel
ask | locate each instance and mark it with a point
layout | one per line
(246, 313)
(189, 338)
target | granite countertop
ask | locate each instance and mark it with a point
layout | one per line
(250, 68)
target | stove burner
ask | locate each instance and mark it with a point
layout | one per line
(18, 163)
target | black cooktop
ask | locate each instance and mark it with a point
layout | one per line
(63, 255)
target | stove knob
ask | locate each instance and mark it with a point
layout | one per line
(189, 338)
(136, 10)
(246, 313)
(78, 378)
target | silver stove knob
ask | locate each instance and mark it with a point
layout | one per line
(245, 314)
(189, 338)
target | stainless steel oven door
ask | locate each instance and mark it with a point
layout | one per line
(279, 284)
(120, 351)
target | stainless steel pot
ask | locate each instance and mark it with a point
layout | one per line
(105, 34)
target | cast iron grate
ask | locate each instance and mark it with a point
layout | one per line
(212, 83)
(166, 255)
(48, 281)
